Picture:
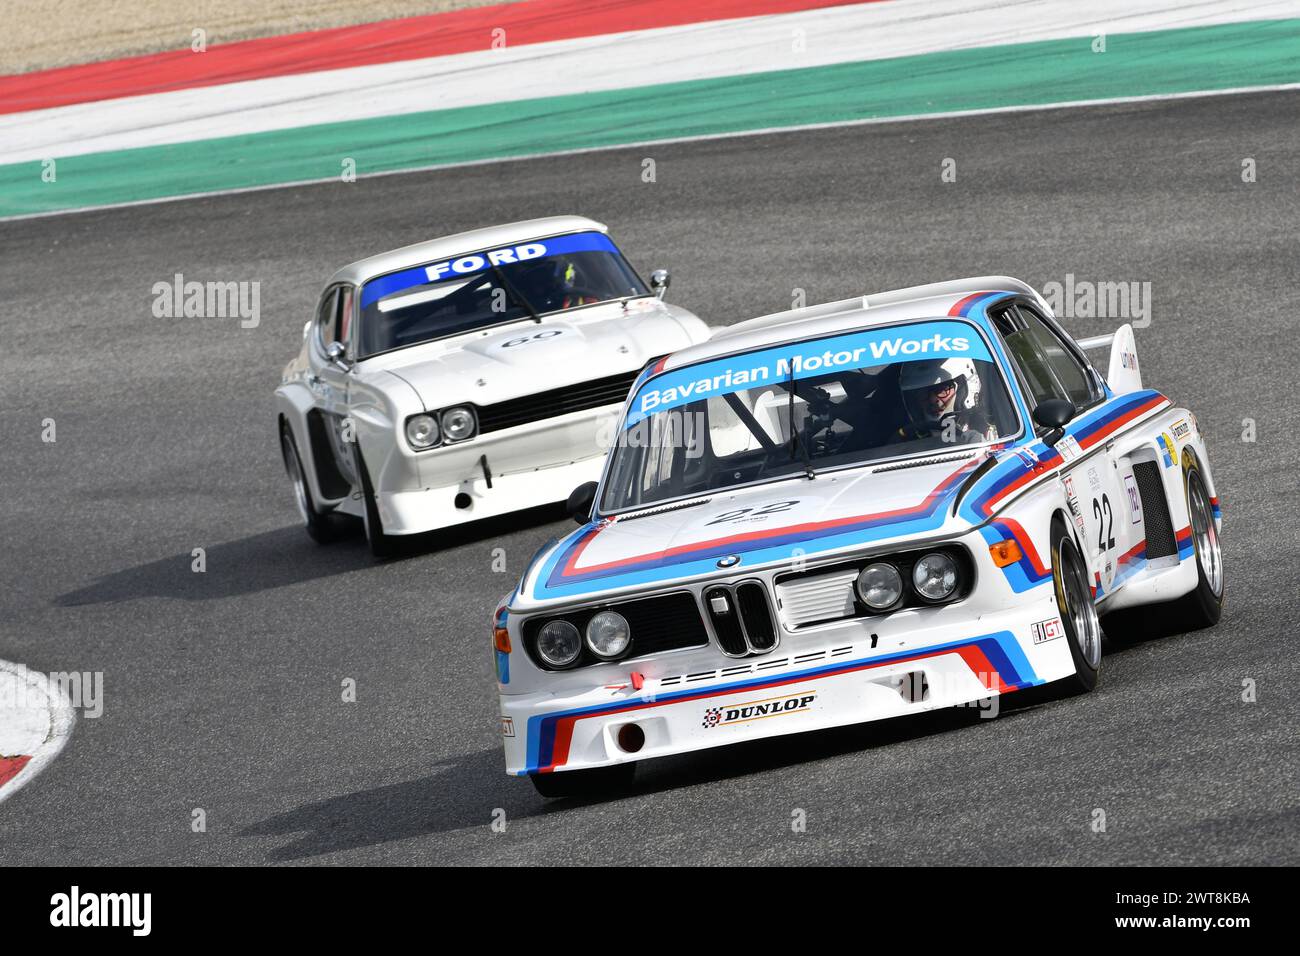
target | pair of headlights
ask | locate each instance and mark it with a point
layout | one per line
(559, 643)
(935, 578)
(428, 430)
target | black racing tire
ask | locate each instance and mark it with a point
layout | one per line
(322, 527)
(1202, 606)
(1078, 611)
(574, 784)
(381, 545)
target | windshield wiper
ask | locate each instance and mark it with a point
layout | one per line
(795, 437)
(514, 294)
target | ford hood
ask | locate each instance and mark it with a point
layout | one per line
(524, 358)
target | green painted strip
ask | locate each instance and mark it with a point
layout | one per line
(1260, 53)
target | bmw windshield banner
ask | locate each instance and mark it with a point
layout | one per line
(482, 261)
(810, 359)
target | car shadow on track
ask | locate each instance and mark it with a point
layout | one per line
(286, 556)
(466, 791)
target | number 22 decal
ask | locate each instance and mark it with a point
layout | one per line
(765, 510)
(1105, 517)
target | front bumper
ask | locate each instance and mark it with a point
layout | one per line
(850, 672)
(411, 512)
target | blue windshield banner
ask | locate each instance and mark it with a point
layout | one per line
(811, 359)
(477, 262)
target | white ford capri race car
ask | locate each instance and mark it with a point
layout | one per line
(468, 377)
(860, 510)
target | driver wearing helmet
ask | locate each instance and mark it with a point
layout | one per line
(941, 399)
(553, 284)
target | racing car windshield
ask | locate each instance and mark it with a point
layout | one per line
(804, 407)
(492, 287)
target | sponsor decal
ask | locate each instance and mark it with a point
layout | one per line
(507, 726)
(1094, 479)
(758, 709)
(1134, 499)
(862, 349)
(1128, 360)
(1068, 448)
(1181, 429)
(476, 262)
(1045, 631)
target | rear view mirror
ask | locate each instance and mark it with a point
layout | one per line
(660, 280)
(1055, 414)
(581, 500)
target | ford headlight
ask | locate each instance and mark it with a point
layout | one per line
(608, 634)
(458, 423)
(422, 431)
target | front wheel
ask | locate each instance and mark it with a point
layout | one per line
(322, 527)
(381, 545)
(601, 781)
(1078, 612)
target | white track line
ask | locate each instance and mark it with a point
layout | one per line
(766, 131)
(36, 720)
(616, 61)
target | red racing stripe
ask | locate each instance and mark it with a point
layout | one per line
(388, 41)
(10, 767)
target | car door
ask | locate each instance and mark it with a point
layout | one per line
(1049, 369)
(331, 383)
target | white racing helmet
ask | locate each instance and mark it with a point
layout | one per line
(918, 378)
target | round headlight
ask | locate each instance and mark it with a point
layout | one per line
(422, 431)
(880, 585)
(935, 576)
(608, 634)
(558, 643)
(458, 423)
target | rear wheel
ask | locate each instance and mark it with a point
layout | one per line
(601, 781)
(1078, 612)
(381, 545)
(322, 527)
(1202, 606)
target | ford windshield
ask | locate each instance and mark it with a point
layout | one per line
(492, 287)
(803, 407)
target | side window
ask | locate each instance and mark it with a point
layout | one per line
(327, 317)
(1050, 370)
(345, 313)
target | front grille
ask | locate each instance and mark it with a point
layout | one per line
(663, 623)
(817, 598)
(1155, 510)
(756, 615)
(597, 393)
(726, 623)
(742, 618)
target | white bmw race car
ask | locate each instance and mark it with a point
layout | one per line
(860, 510)
(468, 377)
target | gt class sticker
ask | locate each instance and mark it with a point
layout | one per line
(1045, 631)
(758, 709)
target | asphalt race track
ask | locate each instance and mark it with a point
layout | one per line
(222, 690)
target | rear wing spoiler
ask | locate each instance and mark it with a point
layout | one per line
(1124, 374)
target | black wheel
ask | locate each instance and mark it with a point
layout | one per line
(381, 545)
(323, 527)
(601, 781)
(1203, 606)
(1078, 612)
